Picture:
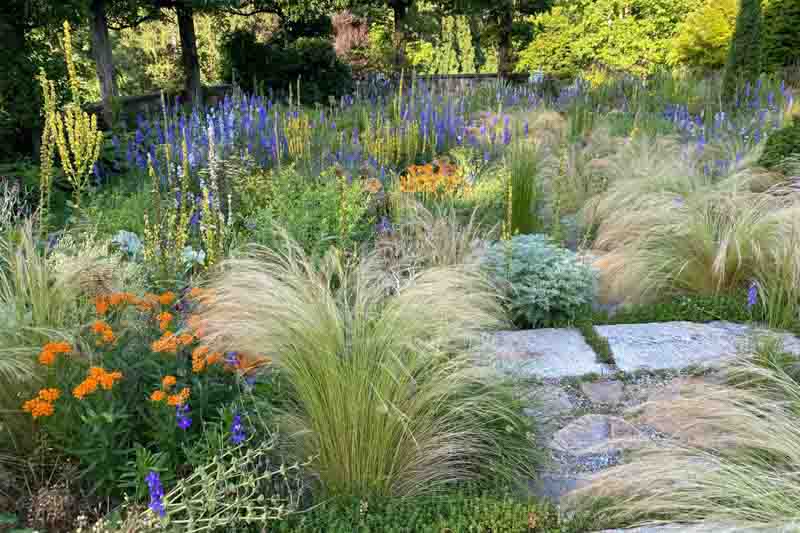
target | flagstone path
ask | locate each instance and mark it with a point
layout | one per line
(591, 413)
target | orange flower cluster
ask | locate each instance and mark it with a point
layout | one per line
(42, 405)
(104, 302)
(97, 376)
(158, 396)
(50, 350)
(201, 358)
(437, 178)
(38, 407)
(49, 395)
(167, 298)
(164, 320)
(169, 342)
(168, 382)
(179, 399)
(104, 331)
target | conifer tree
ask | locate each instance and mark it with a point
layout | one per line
(744, 57)
(781, 33)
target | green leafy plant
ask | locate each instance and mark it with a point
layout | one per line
(316, 213)
(781, 42)
(113, 397)
(382, 391)
(781, 145)
(112, 211)
(545, 284)
(465, 509)
(702, 40)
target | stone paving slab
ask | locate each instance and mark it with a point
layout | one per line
(678, 345)
(546, 353)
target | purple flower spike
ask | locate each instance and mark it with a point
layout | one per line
(182, 416)
(156, 493)
(238, 434)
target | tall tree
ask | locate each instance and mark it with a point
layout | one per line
(744, 58)
(193, 85)
(103, 58)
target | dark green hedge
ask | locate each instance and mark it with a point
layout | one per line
(278, 64)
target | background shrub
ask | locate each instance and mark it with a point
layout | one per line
(277, 65)
(545, 283)
(781, 145)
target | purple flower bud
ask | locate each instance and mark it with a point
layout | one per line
(752, 295)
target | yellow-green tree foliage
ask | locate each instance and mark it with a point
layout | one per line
(631, 36)
(703, 39)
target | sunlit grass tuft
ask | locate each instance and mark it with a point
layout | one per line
(384, 392)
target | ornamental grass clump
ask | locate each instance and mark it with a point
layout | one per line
(706, 244)
(742, 469)
(383, 390)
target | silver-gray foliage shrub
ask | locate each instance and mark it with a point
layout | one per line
(545, 283)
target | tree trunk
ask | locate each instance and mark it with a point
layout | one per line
(103, 58)
(505, 51)
(400, 11)
(191, 64)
